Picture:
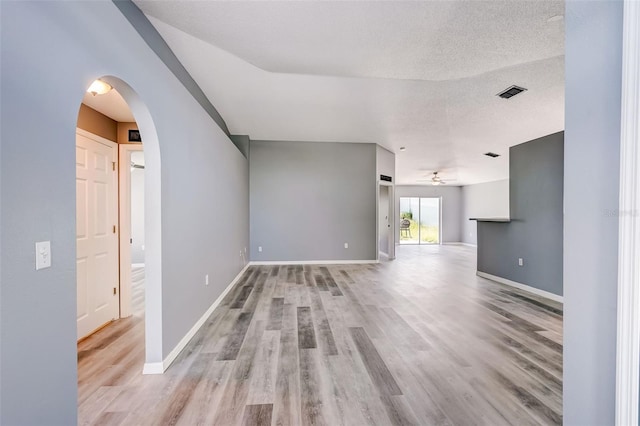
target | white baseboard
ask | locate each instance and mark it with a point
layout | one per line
(153, 368)
(460, 243)
(310, 262)
(161, 367)
(521, 286)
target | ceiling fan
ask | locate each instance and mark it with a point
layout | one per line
(435, 180)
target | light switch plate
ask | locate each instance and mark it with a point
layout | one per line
(43, 255)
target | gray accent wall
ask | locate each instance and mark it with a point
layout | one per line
(535, 231)
(485, 200)
(204, 187)
(451, 206)
(309, 198)
(155, 41)
(592, 149)
(242, 143)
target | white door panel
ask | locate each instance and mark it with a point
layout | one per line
(97, 242)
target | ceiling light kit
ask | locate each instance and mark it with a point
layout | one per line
(402, 148)
(435, 180)
(99, 87)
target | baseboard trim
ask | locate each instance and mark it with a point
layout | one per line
(153, 368)
(460, 243)
(161, 367)
(311, 262)
(521, 286)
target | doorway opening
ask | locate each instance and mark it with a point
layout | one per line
(420, 220)
(119, 269)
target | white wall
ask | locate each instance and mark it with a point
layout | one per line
(484, 200)
(451, 207)
(137, 209)
(51, 51)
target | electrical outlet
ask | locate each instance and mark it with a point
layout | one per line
(520, 262)
(260, 248)
(346, 245)
(206, 279)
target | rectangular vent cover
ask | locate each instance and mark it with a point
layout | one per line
(492, 154)
(511, 92)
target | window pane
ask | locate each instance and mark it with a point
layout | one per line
(429, 220)
(409, 212)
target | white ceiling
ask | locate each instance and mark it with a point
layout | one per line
(110, 104)
(423, 75)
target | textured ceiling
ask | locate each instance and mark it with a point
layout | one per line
(423, 75)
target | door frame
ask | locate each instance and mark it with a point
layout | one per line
(392, 211)
(628, 327)
(124, 212)
(392, 236)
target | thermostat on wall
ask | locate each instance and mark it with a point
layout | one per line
(134, 135)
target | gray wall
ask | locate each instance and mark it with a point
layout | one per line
(204, 193)
(309, 198)
(242, 143)
(485, 200)
(535, 231)
(451, 207)
(592, 117)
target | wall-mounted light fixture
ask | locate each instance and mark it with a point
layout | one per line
(99, 87)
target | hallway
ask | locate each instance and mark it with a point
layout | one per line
(419, 340)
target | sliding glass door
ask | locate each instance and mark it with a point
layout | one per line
(419, 220)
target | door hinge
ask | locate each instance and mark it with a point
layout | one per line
(114, 229)
(114, 291)
(113, 164)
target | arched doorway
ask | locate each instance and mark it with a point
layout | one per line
(152, 225)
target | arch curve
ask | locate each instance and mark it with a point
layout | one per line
(152, 222)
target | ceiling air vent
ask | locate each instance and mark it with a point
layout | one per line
(511, 92)
(491, 154)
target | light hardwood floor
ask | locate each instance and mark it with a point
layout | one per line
(417, 341)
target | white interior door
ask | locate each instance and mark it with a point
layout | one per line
(96, 237)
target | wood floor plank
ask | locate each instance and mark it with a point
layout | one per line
(263, 374)
(306, 333)
(275, 314)
(310, 385)
(331, 282)
(286, 411)
(376, 367)
(234, 342)
(257, 415)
